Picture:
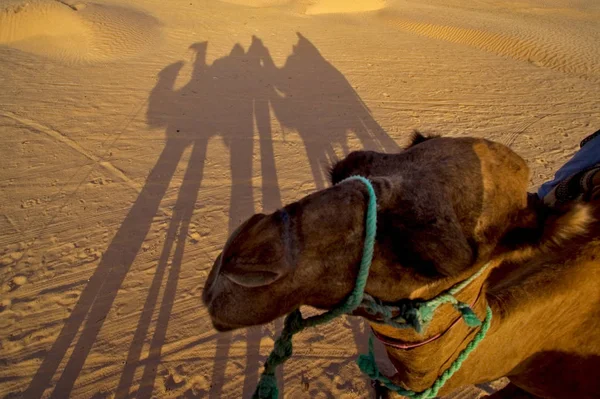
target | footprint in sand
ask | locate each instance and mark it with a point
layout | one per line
(77, 31)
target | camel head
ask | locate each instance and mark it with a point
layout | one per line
(443, 207)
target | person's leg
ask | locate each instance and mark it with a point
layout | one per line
(578, 178)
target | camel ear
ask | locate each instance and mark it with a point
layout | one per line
(418, 138)
(257, 253)
(356, 163)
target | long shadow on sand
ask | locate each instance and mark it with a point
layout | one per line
(226, 98)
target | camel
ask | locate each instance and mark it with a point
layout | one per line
(445, 208)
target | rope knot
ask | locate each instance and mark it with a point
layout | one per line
(417, 316)
(294, 322)
(467, 314)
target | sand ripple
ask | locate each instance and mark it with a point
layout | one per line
(76, 31)
(549, 53)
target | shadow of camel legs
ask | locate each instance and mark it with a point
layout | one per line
(242, 207)
(98, 296)
(229, 117)
(271, 193)
(169, 107)
(217, 378)
(242, 191)
(271, 198)
(176, 235)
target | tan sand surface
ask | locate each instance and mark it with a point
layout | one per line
(137, 134)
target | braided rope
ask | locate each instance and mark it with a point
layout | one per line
(267, 386)
(417, 314)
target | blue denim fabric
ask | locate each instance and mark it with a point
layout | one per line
(586, 157)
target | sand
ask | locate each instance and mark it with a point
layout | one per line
(137, 134)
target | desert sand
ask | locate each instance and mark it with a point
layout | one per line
(137, 134)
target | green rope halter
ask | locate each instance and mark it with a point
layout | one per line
(294, 322)
(367, 364)
(417, 314)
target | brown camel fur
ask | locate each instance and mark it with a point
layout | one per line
(446, 207)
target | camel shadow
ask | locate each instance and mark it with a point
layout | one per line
(313, 98)
(226, 99)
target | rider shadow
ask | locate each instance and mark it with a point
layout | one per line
(315, 99)
(217, 101)
(249, 85)
(308, 95)
(223, 99)
(312, 97)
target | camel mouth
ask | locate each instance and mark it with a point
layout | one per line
(231, 300)
(217, 297)
(211, 300)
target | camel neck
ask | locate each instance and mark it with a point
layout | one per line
(420, 358)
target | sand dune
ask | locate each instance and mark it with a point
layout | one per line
(137, 134)
(77, 31)
(258, 3)
(341, 6)
(21, 20)
(315, 7)
(544, 52)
